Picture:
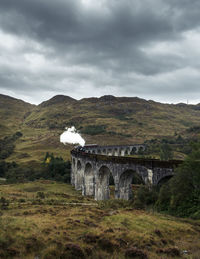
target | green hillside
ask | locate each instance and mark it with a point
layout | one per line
(105, 120)
(12, 114)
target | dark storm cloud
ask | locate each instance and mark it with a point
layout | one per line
(82, 48)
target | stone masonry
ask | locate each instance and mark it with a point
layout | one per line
(93, 165)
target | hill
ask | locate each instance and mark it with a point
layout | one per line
(12, 114)
(105, 120)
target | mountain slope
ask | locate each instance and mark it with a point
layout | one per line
(12, 113)
(105, 120)
(120, 115)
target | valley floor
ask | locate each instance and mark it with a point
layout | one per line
(45, 219)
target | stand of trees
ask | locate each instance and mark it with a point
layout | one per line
(165, 148)
(166, 152)
(53, 168)
(180, 196)
(56, 168)
(7, 145)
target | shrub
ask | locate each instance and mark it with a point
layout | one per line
(55, 168)
(7, 145)
(40, 195)
(181, 196)
(194, 129)
(164, 197)
(72, 251)
(134, 252)
(94, 129)
(138, 204)
(4, 204)
(196, 214)
(145, 196)
(166, 152)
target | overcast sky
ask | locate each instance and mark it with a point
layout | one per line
(84, 48)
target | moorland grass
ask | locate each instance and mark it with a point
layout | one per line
(72, 226)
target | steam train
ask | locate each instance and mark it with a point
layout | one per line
(80, 149)
(84, 149)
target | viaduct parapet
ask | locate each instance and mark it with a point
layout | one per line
(93, 165)
(120, 150)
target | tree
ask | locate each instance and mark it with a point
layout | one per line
(185, 186)
(182, 196)
(163, 202)
(56, 168)
(144, 197)
(166, 152)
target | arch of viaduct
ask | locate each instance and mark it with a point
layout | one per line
(93, 165)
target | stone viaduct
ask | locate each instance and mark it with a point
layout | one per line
(93, 165)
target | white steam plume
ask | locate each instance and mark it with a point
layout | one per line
(71, 136)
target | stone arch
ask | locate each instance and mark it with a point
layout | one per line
(140, 150)
(102, 184)
(115, 152)
(125, 184)
(137, 178)
(160, 173)
(121, 152)
(88, 180)
(110, 152)
(163, 180)
(133, 151)
(79, 166)
(104, 151)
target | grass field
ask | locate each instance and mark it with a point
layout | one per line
(45, 219)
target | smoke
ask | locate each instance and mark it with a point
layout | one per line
(71, 136)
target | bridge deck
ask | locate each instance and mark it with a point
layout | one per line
(129, 160)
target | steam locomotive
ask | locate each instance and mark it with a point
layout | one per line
(84, 149)
(80, 149)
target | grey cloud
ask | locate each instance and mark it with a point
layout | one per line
(99, 47)
(67, 23)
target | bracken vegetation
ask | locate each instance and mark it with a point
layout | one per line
(45, 219)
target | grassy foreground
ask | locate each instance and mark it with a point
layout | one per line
(46, 219)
